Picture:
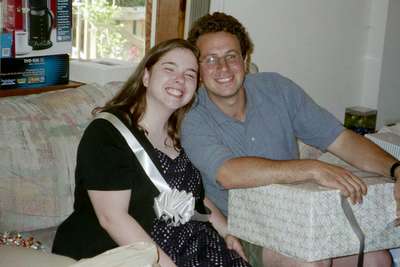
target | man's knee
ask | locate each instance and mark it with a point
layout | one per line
(275, 259)
(323, 263)
(378, 258)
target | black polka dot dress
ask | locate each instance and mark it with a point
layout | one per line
(105, 162)
(194, 243)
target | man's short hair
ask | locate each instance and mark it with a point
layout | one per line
(218, 22)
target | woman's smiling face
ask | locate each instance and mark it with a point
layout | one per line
(172, 81)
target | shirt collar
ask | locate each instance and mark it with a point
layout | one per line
(216, 113)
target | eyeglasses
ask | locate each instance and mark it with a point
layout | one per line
(212, 61)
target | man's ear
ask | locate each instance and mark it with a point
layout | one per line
(200, 82)
(246, 61)
(146, 77)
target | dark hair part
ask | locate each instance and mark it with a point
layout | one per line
(131, 99)
(221, 22)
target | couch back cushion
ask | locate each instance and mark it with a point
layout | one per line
(39, 138)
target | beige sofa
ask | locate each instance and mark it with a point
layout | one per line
(39, 138)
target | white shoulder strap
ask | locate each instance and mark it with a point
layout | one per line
(141, 154)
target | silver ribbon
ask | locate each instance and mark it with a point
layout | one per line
(173, 206)
(348, 212)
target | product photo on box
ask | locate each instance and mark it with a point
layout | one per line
(37, 28)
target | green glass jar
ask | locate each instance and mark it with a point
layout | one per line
(362, 120)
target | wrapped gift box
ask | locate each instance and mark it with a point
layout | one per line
(389, 142)
(306, 221)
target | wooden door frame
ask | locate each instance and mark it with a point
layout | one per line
(170, 20)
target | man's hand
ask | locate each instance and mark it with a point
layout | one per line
(234, 244)
(333, 176)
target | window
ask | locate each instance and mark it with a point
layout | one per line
(109, 29)
(121, 29)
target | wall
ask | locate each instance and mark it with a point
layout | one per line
(372, 59)
(389, 93)
(333, 49)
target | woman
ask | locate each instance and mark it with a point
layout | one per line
(114, 197)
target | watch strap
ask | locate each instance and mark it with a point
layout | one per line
(393, 169)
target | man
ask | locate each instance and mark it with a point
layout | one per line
(242, 132)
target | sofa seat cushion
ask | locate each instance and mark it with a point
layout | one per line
(21, 257)
(39, 138)
(44, 236)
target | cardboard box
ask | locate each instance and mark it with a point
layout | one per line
(34, 72)
(6, 40)
(37, 28)
(101, 71)
(306, 221)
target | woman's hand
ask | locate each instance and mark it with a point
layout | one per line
(218, 221)
(234, 244)
(163, 259)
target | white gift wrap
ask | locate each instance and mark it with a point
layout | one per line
(389, 142)
(306, 221)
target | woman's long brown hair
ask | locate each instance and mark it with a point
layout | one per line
(132, 97)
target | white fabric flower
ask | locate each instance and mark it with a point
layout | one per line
(174, 207)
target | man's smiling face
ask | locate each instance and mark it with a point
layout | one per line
(222, 67)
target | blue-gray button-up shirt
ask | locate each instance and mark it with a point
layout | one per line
(277, 113)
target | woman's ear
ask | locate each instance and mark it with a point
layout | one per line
(146, 77)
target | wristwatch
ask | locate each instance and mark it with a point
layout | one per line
(393, 169)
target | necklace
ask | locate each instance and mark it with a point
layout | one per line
(161, 141)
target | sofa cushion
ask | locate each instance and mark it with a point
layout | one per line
(138, 254)
(44, 236)
(39, 138)
(22, 257)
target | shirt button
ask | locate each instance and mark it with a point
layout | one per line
(253, 139)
